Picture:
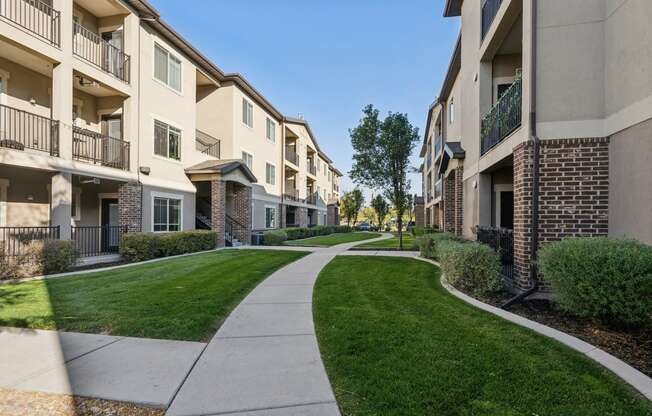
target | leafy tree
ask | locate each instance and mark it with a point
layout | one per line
(368, 215)
(351, 204)
(358, 201)
(381, 159)
(381, 208)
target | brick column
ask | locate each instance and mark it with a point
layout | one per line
(130, 206)
(284, 210)
(218, 209)
(242, 212)
(459, 199)
(573, 195)
(449, 202)
(303, 216)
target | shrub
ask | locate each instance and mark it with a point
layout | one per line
(274, 237)
(428, 243)
(41, 257)
(297, 233)
(419, 231)
(145, 246)
(471, 267)
(610, 279)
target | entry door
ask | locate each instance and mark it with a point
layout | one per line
(111, 149)
(110, 223)
(506, 209)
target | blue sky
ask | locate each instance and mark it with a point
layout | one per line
(327, 59)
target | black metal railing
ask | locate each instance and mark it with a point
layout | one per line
(97, 240)
(35, 16)
(291, 156)
(489, 11)
(292, 195)
(312, 199)
(502, 119)
(14, 241)
(92, 48)
(234, 230)
(438, 189)
(92, 147)
(502, 241)
(207, 144)
(21, 130)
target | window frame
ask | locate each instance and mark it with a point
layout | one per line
(274, 219)
(272, 124)
(168, 126)
(168, 55)
(251, 155)
(168, 198)
(269, 165)
(451, 111)
(246, 104)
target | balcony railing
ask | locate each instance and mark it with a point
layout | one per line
(312, 199)
(92, 147)
(438, 189)
(502, 241)
(207, 144)
(21, 130)
(97, 240)
(291, 156)
(292, 195)
(14, 241)
(502, 119)
(439, 145)
(35, 16)
(91, 47)
(489, 10)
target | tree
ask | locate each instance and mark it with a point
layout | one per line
(368, 215)
(381, 208)
(381, 157)
(350, 205)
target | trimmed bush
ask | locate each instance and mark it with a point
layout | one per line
(419, 231)
(40, 258)
(609, 279)
(427, 244)
(471, 267)
(274, 237)
(145, 246)
(297, 233)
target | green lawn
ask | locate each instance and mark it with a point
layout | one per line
(185, 298)
(332, 239)
(392, 243)
(394, 342)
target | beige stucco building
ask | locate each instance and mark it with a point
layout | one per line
(111, 122)
(543, 126)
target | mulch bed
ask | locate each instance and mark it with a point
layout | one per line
(633, 346)
(15, 403)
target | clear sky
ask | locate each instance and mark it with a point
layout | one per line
(327, 59)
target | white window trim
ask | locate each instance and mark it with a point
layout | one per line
(167, 196)
(269, 120)
(250, 154)
(252, 113)
(451, 114)
(5, 84)
(275, 208)
(267, 162)
(156, 118)
(4, 184)
(165, 84)
(102, 196)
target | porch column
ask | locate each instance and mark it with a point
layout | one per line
(459, 200)
(284, 210)
(61, 204)
(242, 211)
(130, 206)
(218, 209)
(303, 216)
(449, 202)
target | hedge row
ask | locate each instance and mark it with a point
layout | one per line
(146, 246)
(40, 258)
(419, 231)
(277, 237)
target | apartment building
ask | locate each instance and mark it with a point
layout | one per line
(111, 122)
(545, 119)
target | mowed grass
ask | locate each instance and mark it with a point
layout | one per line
(332, 239)
(394, 342)
(184, 298)
(392, 243)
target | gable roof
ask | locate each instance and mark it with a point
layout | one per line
(305, 124)
(222, 167)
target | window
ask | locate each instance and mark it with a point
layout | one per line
(271, 130)
(318, 164)
(451, 111)
(247, 113)
(167, 214)
(248, 159)
(167, 68)
(270, 217)
(167, 141)
(270, 174)
(329, 176)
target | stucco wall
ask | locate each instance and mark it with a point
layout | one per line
(187, 212)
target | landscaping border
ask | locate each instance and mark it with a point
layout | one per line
(629, 374)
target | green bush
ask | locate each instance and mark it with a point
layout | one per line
(274, 237)
(610, 279)
(297, 233)
(427, 244)
(145, 246)
(471, 267)
(40, 258)
(419, 231)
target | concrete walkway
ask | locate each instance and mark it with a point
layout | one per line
(265, 360)
(137, 370)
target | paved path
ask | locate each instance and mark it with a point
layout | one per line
(265, 360)
(137, 370)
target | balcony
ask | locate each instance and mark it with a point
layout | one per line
(92, 147)
(312, 199)
(207, 144)
(502, 119)
(21, 130)
(291, 156)
(35, 16)
(438, 189)
(90, 47)
(489, 10)
(292, 195)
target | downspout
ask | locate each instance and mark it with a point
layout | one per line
(536, 147)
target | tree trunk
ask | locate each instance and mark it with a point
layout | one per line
(400, 232)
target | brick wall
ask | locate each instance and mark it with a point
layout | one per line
(449, 202)
(459, 199)
(573, 195)
(130, 206)
(218, 209)
(242, 212)
(333, 215)
(301, 216)
(420, 217)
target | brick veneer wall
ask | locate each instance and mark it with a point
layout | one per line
(449, 202)
(218, 209)
(420, 216)
(333, 215)
(302, 215)
(242, 212)
(459, 199)
(573, 195)
(130, 206)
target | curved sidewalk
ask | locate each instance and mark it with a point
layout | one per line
(264, 359)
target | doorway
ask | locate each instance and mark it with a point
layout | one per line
(110, 222)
